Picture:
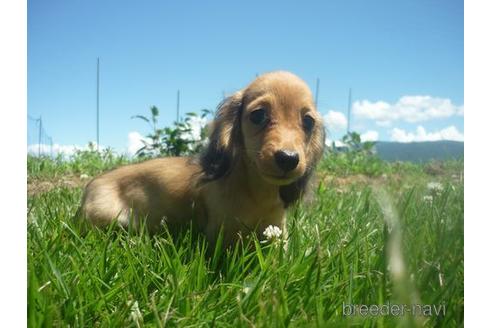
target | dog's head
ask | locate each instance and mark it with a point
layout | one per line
(273, 125)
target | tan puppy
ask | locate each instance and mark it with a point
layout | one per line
(264, 144)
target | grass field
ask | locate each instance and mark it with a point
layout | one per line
(388, 237)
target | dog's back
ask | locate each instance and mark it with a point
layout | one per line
(155, 190)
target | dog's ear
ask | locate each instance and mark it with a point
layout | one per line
(225, 139)
(296, 190)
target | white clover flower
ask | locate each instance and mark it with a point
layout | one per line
(135, 313)
(308, 251)
(247, 289)
(84, 176)
(435, 186)
(272, 232)
(441, 279)
(428, 198)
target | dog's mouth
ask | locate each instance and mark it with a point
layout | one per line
(276, 177)
(280, 180)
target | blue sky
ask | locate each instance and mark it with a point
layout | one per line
(402, 59)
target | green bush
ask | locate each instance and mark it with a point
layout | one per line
(176, 140)
(356, 157)
(88, 161)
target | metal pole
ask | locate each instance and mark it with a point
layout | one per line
(39, 139)
(177, 109)
(317, 90)
(97, 106)
(349, 110)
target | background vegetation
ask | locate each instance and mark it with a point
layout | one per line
(373, 232)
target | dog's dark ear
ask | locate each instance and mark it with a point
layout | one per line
(225, 139)
(291, 193)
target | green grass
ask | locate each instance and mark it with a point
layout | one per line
(81, 162)
(343, 247)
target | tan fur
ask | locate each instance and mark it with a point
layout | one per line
(247, 198)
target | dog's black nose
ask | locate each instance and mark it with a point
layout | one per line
(287, 160)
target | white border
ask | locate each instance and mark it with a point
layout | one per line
(13, 86)
(478, 217)
(13, 176)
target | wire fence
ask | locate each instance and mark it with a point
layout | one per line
(39, 143)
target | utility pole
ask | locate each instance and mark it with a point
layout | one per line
(177, 108)
(317, 90)
(39, 136)
(349, 110)
(97, 107)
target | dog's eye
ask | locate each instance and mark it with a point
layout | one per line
(308, 123)
(258, 116)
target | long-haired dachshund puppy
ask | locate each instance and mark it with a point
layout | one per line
(264, 144)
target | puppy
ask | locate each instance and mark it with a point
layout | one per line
(264, 144)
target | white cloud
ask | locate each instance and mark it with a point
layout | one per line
(135, 142)
(335, 121)
(370, 135)
(461, 110)
(55, 149)
(196, 124)
(410, 109)
(449, 133)
(367, 136)
(338, 143)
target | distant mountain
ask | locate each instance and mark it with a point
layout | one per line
(420, 151)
